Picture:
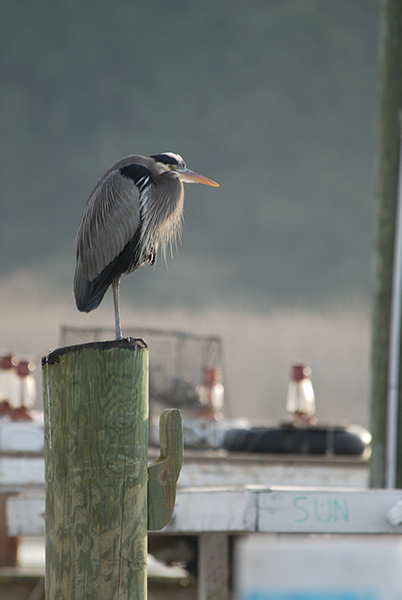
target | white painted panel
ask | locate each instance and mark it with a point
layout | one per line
(318, 568)
(25, 515)
(272, 472)
(213, 509)
(22, 436)
(316, 511)
(22, 470)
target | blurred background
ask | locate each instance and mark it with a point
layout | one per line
(276, 101)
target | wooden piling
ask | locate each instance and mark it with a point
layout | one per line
(384, 239)
(96, 442)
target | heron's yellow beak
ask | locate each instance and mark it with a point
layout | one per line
(190, 177)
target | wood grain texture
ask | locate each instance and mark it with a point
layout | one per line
(385, 207)
(164, 472)
(96, 442)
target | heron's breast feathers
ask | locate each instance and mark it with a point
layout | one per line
(161, 219)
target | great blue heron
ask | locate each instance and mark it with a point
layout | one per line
(135, 207)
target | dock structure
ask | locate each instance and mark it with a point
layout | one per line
(217, 514)
(97, 457)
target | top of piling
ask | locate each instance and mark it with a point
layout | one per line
(127, 343)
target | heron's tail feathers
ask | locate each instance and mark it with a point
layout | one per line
(89, 294)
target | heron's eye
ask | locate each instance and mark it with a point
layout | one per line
(170, 167)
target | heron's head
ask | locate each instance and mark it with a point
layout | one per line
(173, 163)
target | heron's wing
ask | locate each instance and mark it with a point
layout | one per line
(110, 219)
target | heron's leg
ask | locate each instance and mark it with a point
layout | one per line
(116, 300)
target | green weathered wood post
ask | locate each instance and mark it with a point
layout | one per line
(384, 240)
(96, 447)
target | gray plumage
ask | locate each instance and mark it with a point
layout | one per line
(135, 208)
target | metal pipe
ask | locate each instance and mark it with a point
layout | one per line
(394, 342)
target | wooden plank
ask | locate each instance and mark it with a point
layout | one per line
(212, 469)
(196, 510)
(232, 510)
(213, 509)
(25, 515)
(16, 470)
(318, 511)
(213, 566)
(217, 468)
